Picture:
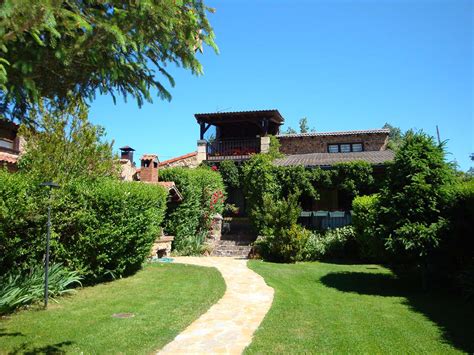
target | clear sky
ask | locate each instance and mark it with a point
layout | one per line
(342, 64)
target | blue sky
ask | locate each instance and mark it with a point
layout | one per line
(342, 64)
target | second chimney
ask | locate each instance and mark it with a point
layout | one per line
(127, 153)
(149, 168)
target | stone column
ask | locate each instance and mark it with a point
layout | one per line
(264, 144)
(201, 151)
(216, 228)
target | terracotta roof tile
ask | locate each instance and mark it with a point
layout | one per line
(173, 160)
(9, 158)
(328, 159)
(337, 133)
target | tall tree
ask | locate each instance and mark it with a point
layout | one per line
(395, 137)
(66, 146)
(304, 128)
(415, 192)
(64, 50)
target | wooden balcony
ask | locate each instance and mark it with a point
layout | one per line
(232, 149)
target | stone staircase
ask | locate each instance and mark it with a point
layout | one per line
(237, 240)
(232, 248)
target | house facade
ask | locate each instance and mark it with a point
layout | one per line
(238, 135)
(11, 145)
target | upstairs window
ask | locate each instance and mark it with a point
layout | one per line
(345, 147)
(357, 147)
(6, 143)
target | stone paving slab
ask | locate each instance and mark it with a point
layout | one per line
(228, 326)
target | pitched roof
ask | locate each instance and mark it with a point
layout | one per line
(181, 157)
(329, 159)
(9, 158)
(272, 114)
(170, 186)
(337, 133)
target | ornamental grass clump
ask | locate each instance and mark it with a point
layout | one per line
(21, 289)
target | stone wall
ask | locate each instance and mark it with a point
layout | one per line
(187, 161)
(319, 143)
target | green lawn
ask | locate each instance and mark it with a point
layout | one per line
(321, 307)
(165, 298)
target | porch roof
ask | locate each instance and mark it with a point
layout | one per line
(240, 116)
(329, 159)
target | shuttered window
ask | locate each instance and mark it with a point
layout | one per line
(345, 147)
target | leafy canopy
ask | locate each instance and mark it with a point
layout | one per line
(61, 50)
(414, 195)
(66, 146)
(304, 127)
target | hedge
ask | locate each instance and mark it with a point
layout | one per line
(102, 229)
(364, 219)
(203, 196)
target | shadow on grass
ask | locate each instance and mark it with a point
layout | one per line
(452, 314)
(12, 334)
(47, 349)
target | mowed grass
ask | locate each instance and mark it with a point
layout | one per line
(330, 308)
(165, 299)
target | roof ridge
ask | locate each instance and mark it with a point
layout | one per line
(172, 160)
(335, 133)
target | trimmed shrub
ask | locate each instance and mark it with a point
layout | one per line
(332, 244)
(102, 229)
(230, 173)
(364, 220)
(190, 221)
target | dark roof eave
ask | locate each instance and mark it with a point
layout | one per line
(220, 117)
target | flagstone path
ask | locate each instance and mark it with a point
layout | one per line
(228, 326)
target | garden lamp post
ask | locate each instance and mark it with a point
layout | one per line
(50, 185)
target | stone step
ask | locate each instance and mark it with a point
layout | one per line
(231, 248)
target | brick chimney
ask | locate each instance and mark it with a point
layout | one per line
(127, 153)
(149, 168)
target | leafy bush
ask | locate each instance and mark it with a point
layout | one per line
(286, 246)
(204, 194)
(283, 237)
(455, 255)
(338, 243)
(99, 228)
(230, 173)
(413, 197)
(364, 220)
(21, 289)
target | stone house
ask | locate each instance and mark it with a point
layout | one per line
(237, 135)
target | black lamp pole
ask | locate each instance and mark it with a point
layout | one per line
(51, 186)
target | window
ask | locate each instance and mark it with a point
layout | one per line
(333, 148)
(357, 147)
(345, 147)
(6, 143)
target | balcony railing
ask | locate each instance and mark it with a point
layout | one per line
(9, 150)
(235, 149)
